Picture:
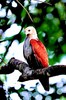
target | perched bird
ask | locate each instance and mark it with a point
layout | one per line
(35, 53)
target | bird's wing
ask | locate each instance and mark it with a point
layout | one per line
(39, 51)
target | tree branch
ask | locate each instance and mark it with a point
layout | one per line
(29, 73)
(42, 74)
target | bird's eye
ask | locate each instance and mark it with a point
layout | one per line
(29, 30)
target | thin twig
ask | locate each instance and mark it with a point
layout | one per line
(43, 2)
(2, 41)
(25, 10)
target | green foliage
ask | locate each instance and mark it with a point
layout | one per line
(49, 21)
(62, 98)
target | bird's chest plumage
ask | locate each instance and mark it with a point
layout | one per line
(29, 55)
(27, 50)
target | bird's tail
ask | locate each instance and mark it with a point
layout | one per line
(45, 82)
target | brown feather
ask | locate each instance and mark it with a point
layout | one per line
(39, 52)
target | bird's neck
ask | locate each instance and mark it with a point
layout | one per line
(33, 37)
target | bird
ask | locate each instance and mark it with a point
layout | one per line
(35, 53)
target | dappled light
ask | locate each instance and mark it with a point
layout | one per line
(49, 19)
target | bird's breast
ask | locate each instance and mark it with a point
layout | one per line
(27, 50)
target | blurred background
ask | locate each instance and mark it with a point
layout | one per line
(49, 19)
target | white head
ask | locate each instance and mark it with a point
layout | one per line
(31, 32)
